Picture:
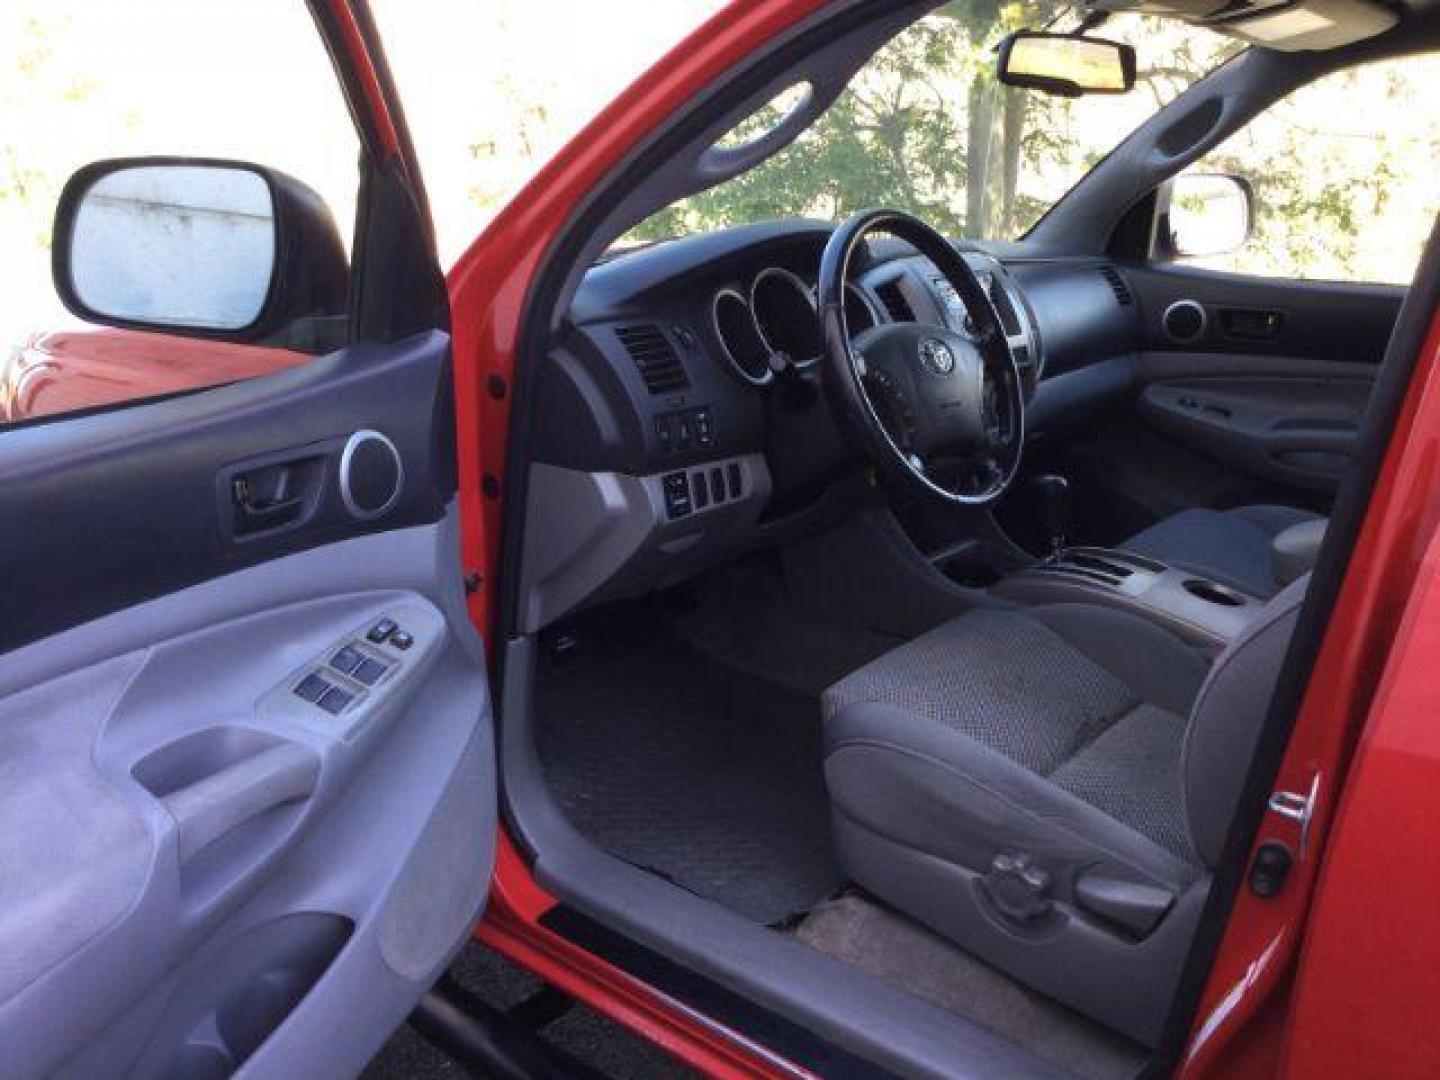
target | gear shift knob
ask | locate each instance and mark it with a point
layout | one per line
(1052, 493)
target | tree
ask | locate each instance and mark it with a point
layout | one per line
(926, 127)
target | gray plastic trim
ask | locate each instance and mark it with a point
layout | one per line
(252, 845)
(597, 535)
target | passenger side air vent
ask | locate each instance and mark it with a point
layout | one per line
(655, 357)
(1123, 296)
(895, 303)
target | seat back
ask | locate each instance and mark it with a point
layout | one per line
(1228, 716)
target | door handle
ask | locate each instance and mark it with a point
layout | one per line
(274, 495)
(218, 804)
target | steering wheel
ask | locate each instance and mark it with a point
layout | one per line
(939, 411)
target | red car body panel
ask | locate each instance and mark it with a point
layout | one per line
(1354, 991)
(1242, 1024)
(1251, 980)
(66, 370)
(1365, 996)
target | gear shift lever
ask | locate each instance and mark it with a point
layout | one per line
(1052, 492)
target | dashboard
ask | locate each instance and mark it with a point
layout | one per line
(680, 417)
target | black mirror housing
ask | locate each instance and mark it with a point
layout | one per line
(1201, 215)
(1068, 65)
(279, 277)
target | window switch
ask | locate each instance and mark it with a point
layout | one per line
(347, 660)
(401, 640)
(334, 700)
(312, 688)
(370, 670)
(381, 630)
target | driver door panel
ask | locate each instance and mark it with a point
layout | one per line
(208, 869)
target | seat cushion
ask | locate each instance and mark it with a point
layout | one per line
(1058, 730)
(1232, 547)
(1045, 742)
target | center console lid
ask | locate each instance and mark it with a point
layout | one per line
(1203, 612)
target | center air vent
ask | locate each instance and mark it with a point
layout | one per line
(653, 354)
(895, 303)
(1123, 296)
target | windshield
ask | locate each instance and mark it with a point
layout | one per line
(925, 127)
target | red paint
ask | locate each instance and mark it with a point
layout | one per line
(1245, 1008)
(488, 288)
(491, 281)
(1368, 982)
(373, 115)
(1258, 954)
(66, 370)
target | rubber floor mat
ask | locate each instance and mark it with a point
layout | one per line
(707, 777)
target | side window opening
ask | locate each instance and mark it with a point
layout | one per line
(82, 83)
(1342, 172)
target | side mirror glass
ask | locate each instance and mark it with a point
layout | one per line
(1209, 214)
(1066, 64)
(167, 245)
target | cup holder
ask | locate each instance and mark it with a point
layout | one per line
(1212, 593)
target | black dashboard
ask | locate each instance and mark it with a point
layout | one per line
(687, 381)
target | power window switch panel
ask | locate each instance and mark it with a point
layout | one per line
(312, 688)
(334, 700)
(347, 660)
(370, 670)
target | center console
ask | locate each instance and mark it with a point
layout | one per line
(1203, 612)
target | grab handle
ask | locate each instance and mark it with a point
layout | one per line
(212, 807)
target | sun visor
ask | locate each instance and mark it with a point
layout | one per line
(1286, 25)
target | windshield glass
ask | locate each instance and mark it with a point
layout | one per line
(925, 127)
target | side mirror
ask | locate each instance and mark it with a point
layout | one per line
(1206, 214)
(216, 249)
(1066, 64)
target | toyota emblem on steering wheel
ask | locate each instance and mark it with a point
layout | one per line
(937, 357)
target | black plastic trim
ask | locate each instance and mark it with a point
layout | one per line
(109, 510)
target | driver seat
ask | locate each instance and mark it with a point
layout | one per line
(1051, 789)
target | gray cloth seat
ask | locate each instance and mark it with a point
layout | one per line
(1232, 547)
(1050, 789)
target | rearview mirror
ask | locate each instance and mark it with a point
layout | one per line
(1208, 214)
(1066, 64)
(200, 247)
